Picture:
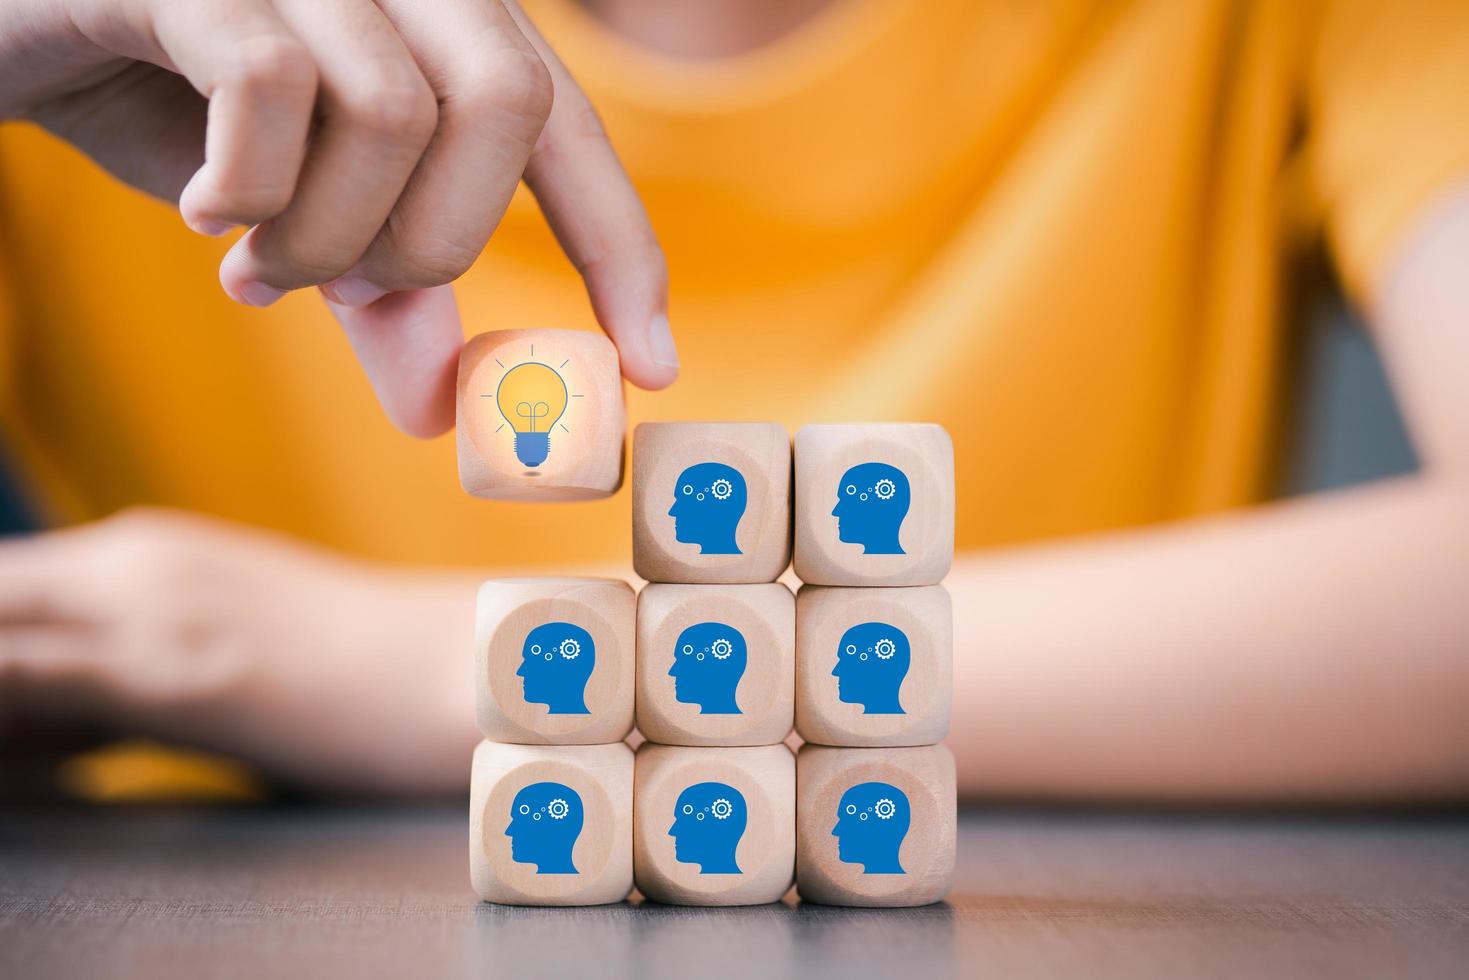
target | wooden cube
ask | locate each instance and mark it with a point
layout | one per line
(551, 825)
(714, 826)
(874, 504)
(554, 660)
(716, 664)
(874, 666)
(540, 415)
(875, 826)
(711, 501)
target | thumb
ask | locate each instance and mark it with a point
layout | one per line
(408, 343)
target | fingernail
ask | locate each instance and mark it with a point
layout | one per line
(259, 294)
(212, 227)
(660, 342)
(354, 291)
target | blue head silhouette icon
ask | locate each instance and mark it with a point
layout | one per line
(708, 821)
(545, 821)
(708, 662)
(555, 662)
(708, 502)
(872, 500)
(872, 820)
(872, 660)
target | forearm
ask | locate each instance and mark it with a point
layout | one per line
(1311, 650)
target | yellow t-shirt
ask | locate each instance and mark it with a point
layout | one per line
(1065, 230)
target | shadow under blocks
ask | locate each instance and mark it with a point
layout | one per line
(716, 662)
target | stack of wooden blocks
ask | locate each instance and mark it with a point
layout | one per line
(715, 661)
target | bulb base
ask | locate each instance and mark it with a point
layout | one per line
(532, 448)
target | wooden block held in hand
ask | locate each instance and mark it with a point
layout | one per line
(540, 415)
(714, 826)
(716, 664)
(551, 825)
(711, 501)
(874, 504)
(554, 660)
(875, 826)
(874, 666)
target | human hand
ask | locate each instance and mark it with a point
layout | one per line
(327, 673)
(371, 145)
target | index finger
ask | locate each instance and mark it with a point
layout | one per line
(601, 224)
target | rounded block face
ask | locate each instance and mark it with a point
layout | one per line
(875, 826)
(711, 501)
(554, 660)
(874, 667)
(714, 826)
(540, 415)
(551, 825)
(874, 504)
(716, 664)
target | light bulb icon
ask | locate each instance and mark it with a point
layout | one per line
(532, 397)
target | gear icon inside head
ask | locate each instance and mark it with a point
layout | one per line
(570, 649)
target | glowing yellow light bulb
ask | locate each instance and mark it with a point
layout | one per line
(532, 397)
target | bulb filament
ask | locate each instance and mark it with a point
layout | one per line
(532, 412)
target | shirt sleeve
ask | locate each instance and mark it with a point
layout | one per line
(1387, 123)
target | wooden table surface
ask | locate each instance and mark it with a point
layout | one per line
(374, 892)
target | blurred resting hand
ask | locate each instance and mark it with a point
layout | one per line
(323, 671)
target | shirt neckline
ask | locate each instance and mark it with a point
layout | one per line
(610, 63)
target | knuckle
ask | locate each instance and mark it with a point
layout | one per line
(146, 553)
(437, 266)
(398, 107)
(274, 63)
(138, 522)
(518, 85)
(239, 198)
(292, 261)
(578, 126)
(419, 261)
(582, 121)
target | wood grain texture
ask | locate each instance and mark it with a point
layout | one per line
(845, 672)
(690, 639)
(511, 819)
(874, 504)
(366, 891)
(704, 490)
(685, 818)
(857, 807)
(517, 657)
(584, 454)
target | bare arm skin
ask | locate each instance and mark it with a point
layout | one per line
(1315, 650)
